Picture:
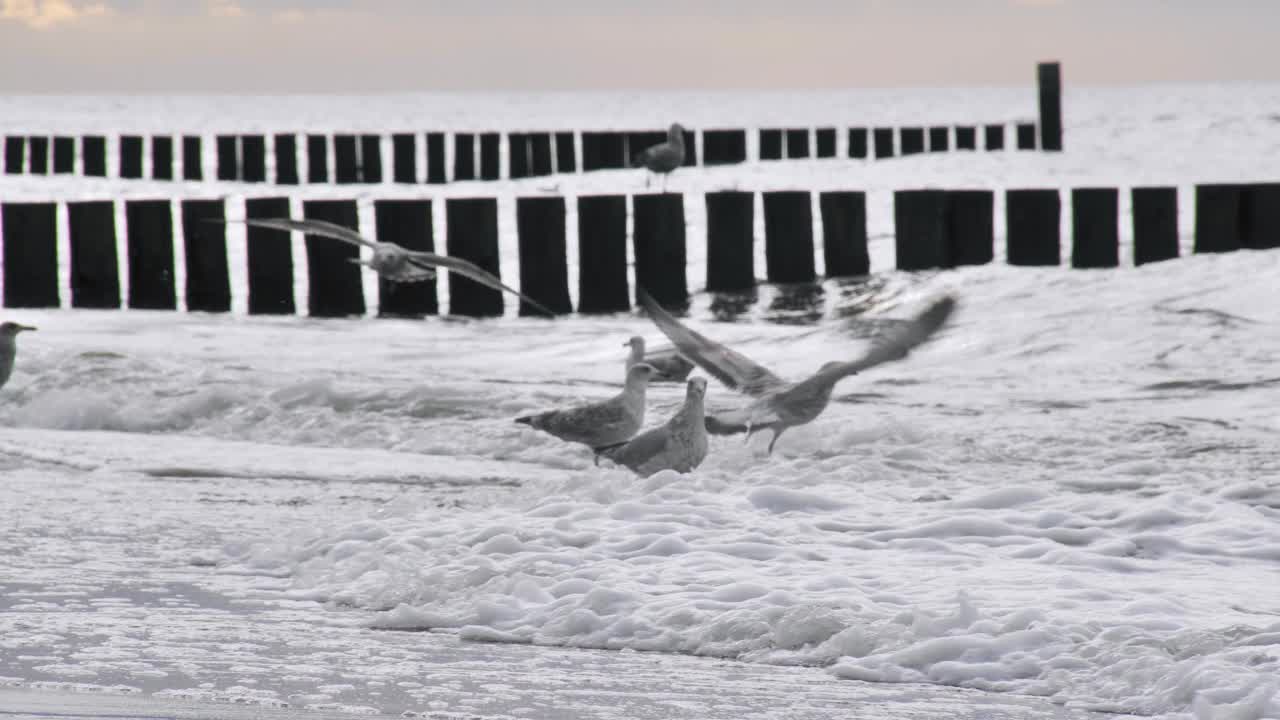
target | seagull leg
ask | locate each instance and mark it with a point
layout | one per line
(777, 433)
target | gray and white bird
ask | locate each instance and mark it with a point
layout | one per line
(603, 424)
(680, 444)
(668, 365)
(394, 262)
(9, 348)
(664, 157)
(780, 404)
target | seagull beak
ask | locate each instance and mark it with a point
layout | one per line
(26, 327)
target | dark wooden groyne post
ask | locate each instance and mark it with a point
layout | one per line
(228, 162)
(94, 150)
(346, 169)
(39, 150)
(204, 238)
(472, 227)
(770, 144)
(464, 156)
(659, 238)
(370, 159)
(1260, 216)
(1026, 136)
(730, 237)
(602, 254)
(921, 238)
(566, 155)
(993, 137)
(788, 236)
(333, 279)
(1217, 218)
(1032, 219)
(540, 154)
(1155, 224)
(825, 139)
(404, 158)
(1049, 82)
(406, 223)
(966, 137)
(150, 228)
(603, 150)
(724, 147)
(162, 157)
(192, 160)
(64, 155)
(911, 141)
(939, 139)
(130, 157)
(95, 277)
(435, 158)
(798, 143)
(844, 233)
(490, 163)
(883, 140)
(317, 158)
(518, 159)
(544, 267)
(30, 254)
(253, 158)
(858, 142)
(270, 259)
(971, 226)
(690, 149)
(286, 151)
(1095, 232)
(15, 155)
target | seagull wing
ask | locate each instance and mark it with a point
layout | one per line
(470, 271)
(313, 227)
(729, 367)
(896, 343)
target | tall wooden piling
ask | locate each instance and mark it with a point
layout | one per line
(1095, 232)
(730, 255)
(1032, 219)
(1218, 218)
(370, 158)
(771, 144)
(472, 226)
(724, 147)
(332, 275)
(406, 223)
(490, 163)
(798, 143)
(404, 158)
(1026, 134)
(464, 156)
(540, 154)
(317, 159)
(518, 158)
(883, 141)
(939, 139)
(659, 238)
(30, 254)
(435, 158)
(911, 140)
(603, 151)
(130, 157)
(544, 267)
(921, 237)
(993, 137)
(192, 158)
(844, 233)
(858, 142)
(825, 140)
(227, 148)
(971, 226)
(162, 157)
(1260, 216)
(64, 155)
(94, 150)
(270, 259)
(204, 238)
(602, 254)
(38, 147)
(15, 155)
(1155, 224)
(966, 137)
(286, 152)
(566, 155)
(788, 236)
(253, 158)
(346, 167)
(150, 241)
(1049, 82)
(95, 278)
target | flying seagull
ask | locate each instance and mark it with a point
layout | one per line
(9, 347)
(664, 157)
(779, 404)
(391, 261)
(603, 424)
(680, 444)
(668, 365)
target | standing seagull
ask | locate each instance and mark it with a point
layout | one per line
(668, 365)
(599, 425)
(664, 157)
(9, 347)
(779, 404)
(391, 261)
(680, 444)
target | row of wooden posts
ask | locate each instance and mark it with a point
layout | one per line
(934, 229)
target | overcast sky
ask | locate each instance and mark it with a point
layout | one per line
(408, 45)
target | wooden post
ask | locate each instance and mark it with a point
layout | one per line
(730, 256)
(858, 142)
(1260, 216)
(286, 147)
(971, 227)
(921, 237)
(490, 163)
(602, 254)
(518, 157)
(150, 228)
(473, 235)
(333, 277)
(544, 265)
(844, 233)
(435, 158)
(798, 143)
(1032, 218)
(1155, 224)
(540, 149)
(64, 155)
(1049, 80)
(95, 280)
(566, 156)
(94, 149)
(939, 139)
(883, 141)
(192, 160)
(317, 158)
(15, 155)
(130, 157)
(603, 150)
(911, 140)
(371, 158)
(788, 237)
(993, 137)
(825, 139)
(1026, 136)
(770, 144)
(39, 155)
(690, 148)
(464, 156)
(966, 137)
(659, 238)
(724, 147)
(208, 284)
(404, 158)
(406, 223)
(162, 157)
(1095, 228)
(228, 162)
(346, 169)
(1218, 218)
(30, 254)
(270, 259)
(253, 158)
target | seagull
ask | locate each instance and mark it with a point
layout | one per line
(779, 404)
(680, 444)
(9, 347)
(669, 366)
(394, 262)
(664, 157)
(599, 425)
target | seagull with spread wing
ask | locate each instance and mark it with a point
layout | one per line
(391, 261)
(779, 404)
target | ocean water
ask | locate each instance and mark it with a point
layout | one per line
(1067, 503)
